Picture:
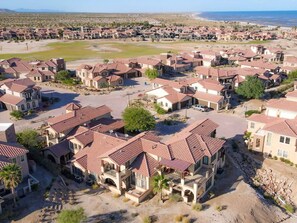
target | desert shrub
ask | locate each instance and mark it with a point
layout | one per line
(134, 215)
(71, 216)
(250, 112)
(247, 135)
(116, 195)
(147, 219)
(275, 158)
(18, 115)
(186, 220)
(178, 218)
(289, 208)
(159, 109)
(95, 186)
(126, 199)
(175, 198)
(219, 208)
(287, 161)
(197, 207)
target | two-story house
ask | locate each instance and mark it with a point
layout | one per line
(37, 71)
(189, 160)
(209, 92)
(274, 133)
(170, 95)
(19, 94)
(11, 152)
(61, 126)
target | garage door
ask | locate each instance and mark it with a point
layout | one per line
(201, 102)
(213, 106)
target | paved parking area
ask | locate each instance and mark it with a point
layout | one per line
(230, 125)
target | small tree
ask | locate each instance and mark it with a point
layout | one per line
(138, 119)
(292, 76)
(151, 73)
(18, 115)
(106, 61)
(62, 75)
(30, 139)
(11, 176)
(72, 216)
(160, 182)
(252, 88)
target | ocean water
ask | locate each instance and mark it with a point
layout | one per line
(269, 18)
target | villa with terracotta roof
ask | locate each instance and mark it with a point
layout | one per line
(189, 160)
(224, 76)
(12, 152)
(274, 133)
(113, 74)
(19, 94)
(124, 164)
(62, 126)
(175, 95)
(181, 62)
(37, 71)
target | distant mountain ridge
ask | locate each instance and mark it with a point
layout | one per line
(6, 11)
(36, 10)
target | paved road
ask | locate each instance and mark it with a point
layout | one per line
(230, 125)
(117, 101)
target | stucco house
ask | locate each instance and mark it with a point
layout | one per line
(274, 132)
(19, 94)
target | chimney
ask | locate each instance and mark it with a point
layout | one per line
(7, 133)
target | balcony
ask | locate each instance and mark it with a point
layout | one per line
(199, 178)
(111, 172)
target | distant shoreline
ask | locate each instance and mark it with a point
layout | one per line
(244, 23)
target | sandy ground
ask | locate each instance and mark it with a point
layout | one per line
(240, 204)
(21, 47)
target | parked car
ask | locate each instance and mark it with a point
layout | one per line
(200, 108)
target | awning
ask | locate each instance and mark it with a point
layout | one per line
(175, 164)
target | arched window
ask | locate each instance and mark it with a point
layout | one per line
(23, 107)
(28, 106)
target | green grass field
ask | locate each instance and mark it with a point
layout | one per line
(76, 50)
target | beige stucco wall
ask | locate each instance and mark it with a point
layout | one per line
(275, 145)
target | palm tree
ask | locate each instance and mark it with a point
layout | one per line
(160, 182)
(11, 176)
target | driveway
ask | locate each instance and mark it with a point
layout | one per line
(116, 100)
(230, 125)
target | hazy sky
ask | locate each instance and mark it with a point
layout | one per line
(151, 5)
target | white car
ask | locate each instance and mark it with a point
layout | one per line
(200, 108)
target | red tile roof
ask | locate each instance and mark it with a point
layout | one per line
(176, 164)
(89, 157)
(285, 127)
(60, 149)
(208, 97)
(11, 150)
(202, 127)
(77, 117)
(10, 99)
(145, 165)
(282, 104)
